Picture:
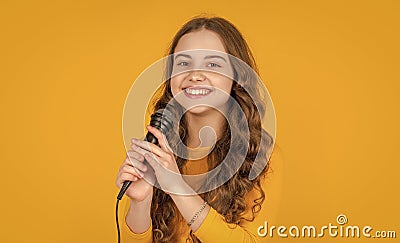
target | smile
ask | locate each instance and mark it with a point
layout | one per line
(196, 92)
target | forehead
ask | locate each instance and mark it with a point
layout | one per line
(202, 39)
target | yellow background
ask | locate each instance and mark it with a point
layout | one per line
(66, 67)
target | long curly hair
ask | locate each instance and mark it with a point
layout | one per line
(229, 198)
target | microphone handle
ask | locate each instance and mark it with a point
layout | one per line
(123, 189)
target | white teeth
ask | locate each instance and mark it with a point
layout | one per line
(197, 91)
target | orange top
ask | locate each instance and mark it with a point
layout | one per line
(214, 228)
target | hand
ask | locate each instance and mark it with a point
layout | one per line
(162, 160)
(133, 169)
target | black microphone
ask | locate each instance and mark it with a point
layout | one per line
(162, 120)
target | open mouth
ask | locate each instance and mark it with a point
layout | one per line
(196, 92)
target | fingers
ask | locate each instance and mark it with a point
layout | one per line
(135, 155)
(152, 161)
(155, 156)
(122, 177)
(128, 173)
(138, 149)
(132, 170)
(144, 147)
(157, 162)
(136, 160)
(162, 140)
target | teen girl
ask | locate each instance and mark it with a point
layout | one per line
(229, 212)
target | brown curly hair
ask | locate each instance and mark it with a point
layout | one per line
(228, 199)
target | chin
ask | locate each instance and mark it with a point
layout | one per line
(198, 110)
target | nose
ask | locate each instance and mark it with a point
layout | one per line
(196, 76)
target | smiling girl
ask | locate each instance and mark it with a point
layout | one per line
(206, 85)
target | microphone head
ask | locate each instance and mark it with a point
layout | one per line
(162, 120)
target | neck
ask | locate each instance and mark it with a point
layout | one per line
(204, 129)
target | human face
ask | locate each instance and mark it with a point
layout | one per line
(202, 74)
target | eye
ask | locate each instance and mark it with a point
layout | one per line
(183, 63)
(212, 64)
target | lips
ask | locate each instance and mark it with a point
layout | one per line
(195, 92)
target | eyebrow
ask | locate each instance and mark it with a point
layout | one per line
(215, 56)
(183, 55)
(206, 57)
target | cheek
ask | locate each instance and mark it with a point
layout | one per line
(229, 86)
(225, 85)
(221, 82)
(176, 83)
(175, 87)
